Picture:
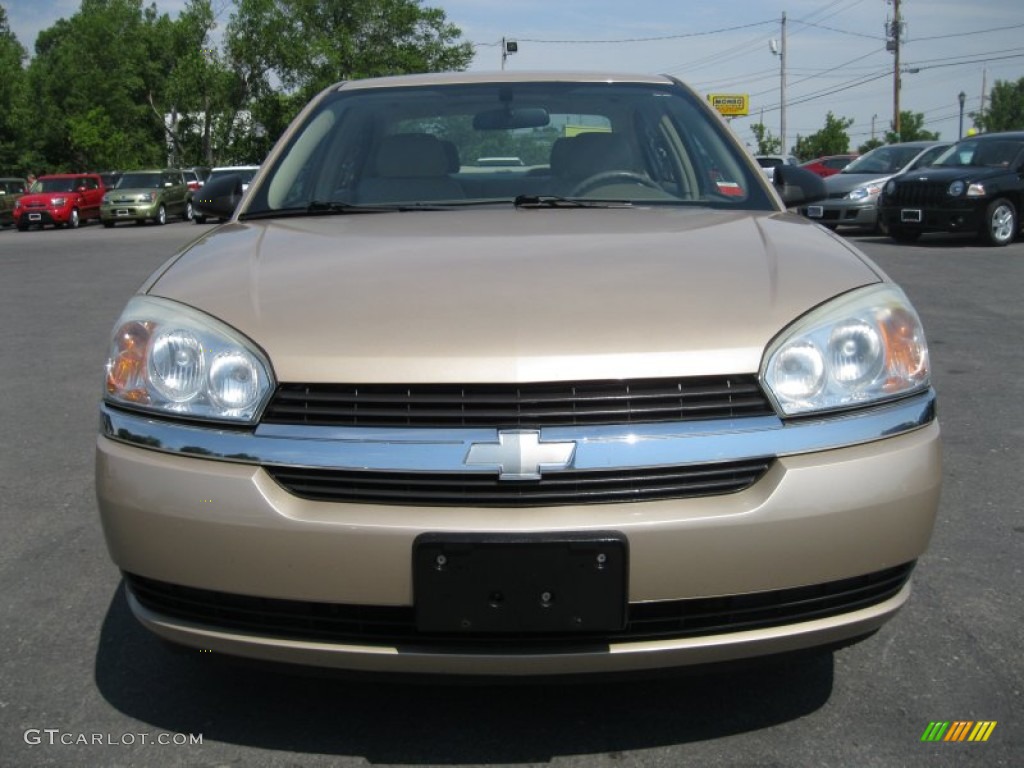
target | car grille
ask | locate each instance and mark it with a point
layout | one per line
(481, 489)
(518, 405)
(918, 194)
(395, 625)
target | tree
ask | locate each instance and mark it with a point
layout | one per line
(870, 144)
(12, 97)
(92, 106)
(910, 129)
(766, 143)
(830, 140)
(1006, 108)
(286, 51)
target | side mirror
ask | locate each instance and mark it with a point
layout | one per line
(798, 186)
(217, 199)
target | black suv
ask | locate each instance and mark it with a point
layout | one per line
(977, 185)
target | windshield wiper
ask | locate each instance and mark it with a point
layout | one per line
(556, 201)
(319, 208)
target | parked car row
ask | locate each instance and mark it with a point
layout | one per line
(974, 185)
(72, 199)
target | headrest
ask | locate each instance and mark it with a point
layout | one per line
(590, 153)
(410, 155)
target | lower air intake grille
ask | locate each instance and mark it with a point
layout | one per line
(470, 489)
(395, 625)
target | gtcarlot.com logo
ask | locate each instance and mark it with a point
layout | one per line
(56, 737)
(958, 730)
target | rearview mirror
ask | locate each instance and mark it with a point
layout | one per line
(507, 119)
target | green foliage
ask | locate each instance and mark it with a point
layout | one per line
(307, 45)
(103, 81)
(1006, 108)
(870, 144)
(910, 129)
(766, 143)
(830, 140)
(12, 98)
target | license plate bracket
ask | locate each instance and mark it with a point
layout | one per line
(911, 215)
(472, 584)
(815, 212)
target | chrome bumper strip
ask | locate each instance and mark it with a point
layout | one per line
(446, 450)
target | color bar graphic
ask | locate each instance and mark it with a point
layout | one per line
(958, 730)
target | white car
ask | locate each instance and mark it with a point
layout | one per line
(769, 163)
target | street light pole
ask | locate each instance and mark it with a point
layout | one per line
(962, 97)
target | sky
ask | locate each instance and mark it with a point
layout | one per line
(836, 57)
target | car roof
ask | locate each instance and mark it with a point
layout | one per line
(454, 78)
(1013, 135)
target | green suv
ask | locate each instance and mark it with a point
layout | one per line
(10, 190)
(147, 196)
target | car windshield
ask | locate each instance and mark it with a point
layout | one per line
(246, 174)
(139, 180)
(540, 143)
(55, 185)
(883, 160)
(982, 154)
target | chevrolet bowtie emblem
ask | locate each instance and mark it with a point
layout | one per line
(520, 455)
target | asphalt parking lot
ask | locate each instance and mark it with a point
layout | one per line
(81, 683)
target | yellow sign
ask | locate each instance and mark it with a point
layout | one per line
(730, 104)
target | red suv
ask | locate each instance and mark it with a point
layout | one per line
(60, 199)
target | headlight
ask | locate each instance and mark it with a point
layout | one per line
(976, 190)
(865, 192)
(956, 188)
(863, 347)
(146, 197)
(57, 202)
(175, 360)
(106, 199)
(890, 188)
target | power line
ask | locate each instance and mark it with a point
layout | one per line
(679, 36)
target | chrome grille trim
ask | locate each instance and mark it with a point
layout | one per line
(445, 450)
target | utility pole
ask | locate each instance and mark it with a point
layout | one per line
(782, 88)
(895, 32)
(780, 51)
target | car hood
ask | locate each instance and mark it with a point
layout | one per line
(511, 296)
(131, 192)
(973, 173)
(45, 197)
(847, 182)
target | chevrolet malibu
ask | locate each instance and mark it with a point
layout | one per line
(612, 409)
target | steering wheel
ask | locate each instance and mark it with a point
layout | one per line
(611, 177)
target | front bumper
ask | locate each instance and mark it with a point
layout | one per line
(844, 498)
(129, 211)
(43, 216)
(966, 219)
(839, 213)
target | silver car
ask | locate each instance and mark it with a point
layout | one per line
(613, 409)
(853, 192)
